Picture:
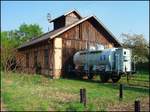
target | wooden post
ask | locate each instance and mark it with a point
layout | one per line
(128, 78)
(84, 97)
(81, 95)
(137, 106)
(121, 92)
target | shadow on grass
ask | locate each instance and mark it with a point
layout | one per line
(114, 85)
(137, 89)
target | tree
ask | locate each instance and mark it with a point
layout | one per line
(139, 46)
(28, 32)
(23, 34)
(7, 50)
(10, 40)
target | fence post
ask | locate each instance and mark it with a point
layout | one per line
(128, 78)
(121, 92)
(84, 97)
(137, 106)
(81, 95)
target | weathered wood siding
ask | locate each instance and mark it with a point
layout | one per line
(40, 58)
(77, 39)
(71, 18)
(65, 20)
(63, 47)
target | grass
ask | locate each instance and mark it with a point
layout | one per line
(140, 79)
(35, 92)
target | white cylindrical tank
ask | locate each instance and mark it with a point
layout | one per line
(105, 57)
(108, 62)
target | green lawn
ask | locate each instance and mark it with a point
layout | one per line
(140, 79)
(36, 92)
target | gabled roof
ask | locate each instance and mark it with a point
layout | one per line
(72, 11)
(54, 33)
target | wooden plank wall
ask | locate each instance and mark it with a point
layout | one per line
(71, 18)
(73, 40)
(40, 58)
(76, 39)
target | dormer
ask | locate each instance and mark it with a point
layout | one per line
(66, 19)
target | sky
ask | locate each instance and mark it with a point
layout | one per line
(118, 16)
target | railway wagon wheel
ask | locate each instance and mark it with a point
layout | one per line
(104, 77)
(91, 74)
(79, 72)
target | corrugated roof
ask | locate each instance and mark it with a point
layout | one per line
(54, 33)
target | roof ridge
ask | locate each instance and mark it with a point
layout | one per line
(66, 28)
(73, 10)
(37, 37)
(65, 14)
(72, 25)
(107, 29)
(53, 33)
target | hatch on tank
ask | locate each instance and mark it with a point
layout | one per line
(92, 48)
(100, 47)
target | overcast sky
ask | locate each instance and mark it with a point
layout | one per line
(119, 17)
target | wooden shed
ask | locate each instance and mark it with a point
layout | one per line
(53, 51)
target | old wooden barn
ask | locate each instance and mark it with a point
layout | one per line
(52, 53)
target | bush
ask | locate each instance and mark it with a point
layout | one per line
(142, 67)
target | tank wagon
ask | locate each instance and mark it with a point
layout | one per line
(108, 63)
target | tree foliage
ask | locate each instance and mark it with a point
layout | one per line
(139, 46)
(28, 32)
(10, 40)
(7, 50)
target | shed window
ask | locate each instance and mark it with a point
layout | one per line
(35, 57)
(46, 58)
(27, 59)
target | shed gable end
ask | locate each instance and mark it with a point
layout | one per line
(66, 20)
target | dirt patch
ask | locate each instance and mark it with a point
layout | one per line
(122, 106)
(145, 105)
(3, 107)
(65, 97)
(8, 81)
